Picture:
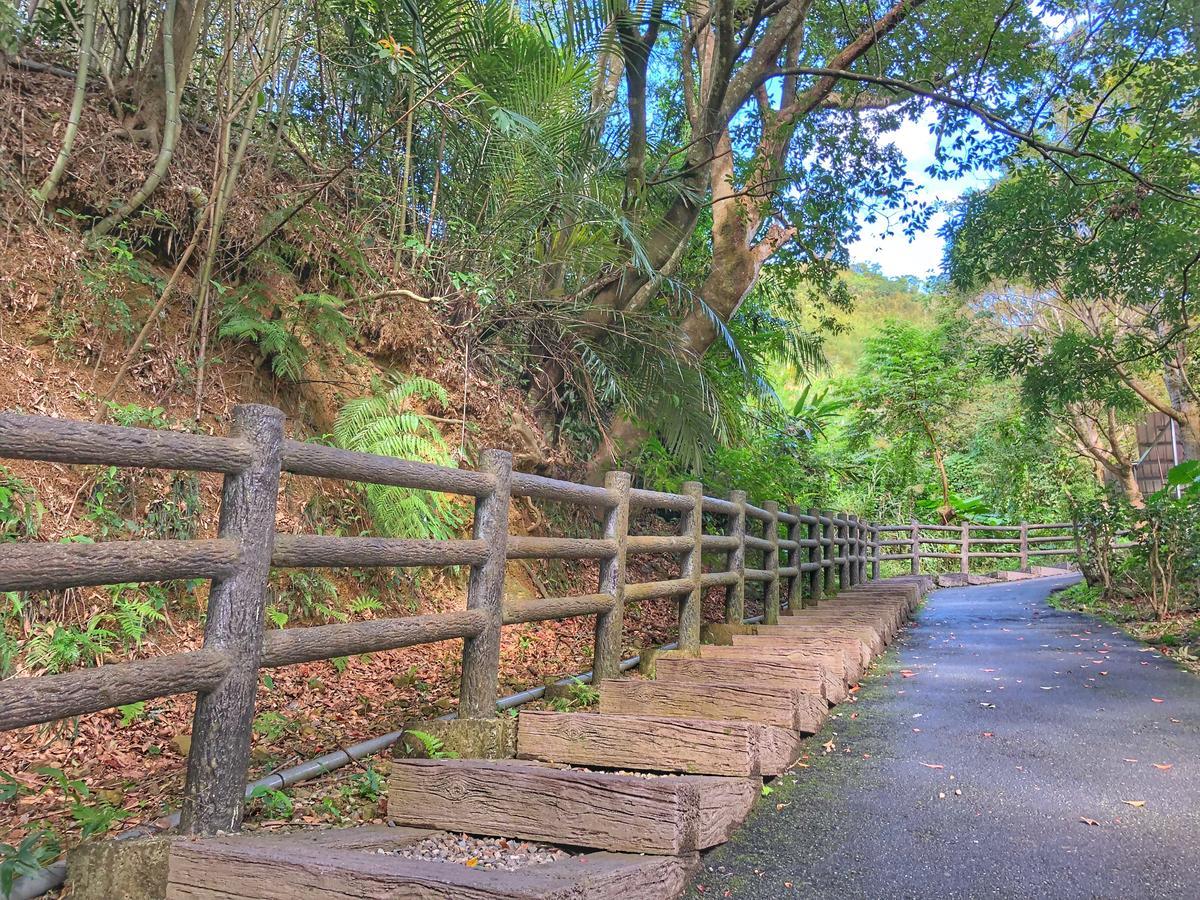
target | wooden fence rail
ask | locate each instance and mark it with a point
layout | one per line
(796, 556)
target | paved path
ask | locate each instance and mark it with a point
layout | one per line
(1041, 719)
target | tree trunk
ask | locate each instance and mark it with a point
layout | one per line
(1187, 406)
(147, 87)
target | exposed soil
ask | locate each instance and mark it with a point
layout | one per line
(60, 345)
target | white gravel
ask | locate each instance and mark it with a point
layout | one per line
(479, 852)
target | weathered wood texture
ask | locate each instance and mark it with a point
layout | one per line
(735, 593)
(32, 701)
(68, 441)
(606, 653)
(858, 654)
(769, 674)
(832, 663)
(520, 547)
(284, 867)
(663, 815)
(329, 462)
(44, 566)
(691, 530)
(214, 790)
(312, 551)
(839, 628)
(557, 608)
(289, 646)
(485, 591)
(788, 708)
(646, 743)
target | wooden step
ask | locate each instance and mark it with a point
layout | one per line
(788, 708)
(895, 609)
(858, 654)
(885, 623)
(1010, 575)
(667, 814)
(836, 627)
(336, 864)
(657, 743)
(834, 660)
(767, 673)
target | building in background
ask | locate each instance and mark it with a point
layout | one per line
(1159, 448)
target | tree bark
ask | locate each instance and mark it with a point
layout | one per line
(147, 87)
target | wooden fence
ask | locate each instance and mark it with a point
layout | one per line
(971, 542)
(795, 555)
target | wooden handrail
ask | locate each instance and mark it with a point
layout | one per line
(798, 557)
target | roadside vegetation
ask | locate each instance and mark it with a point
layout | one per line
(597, 234)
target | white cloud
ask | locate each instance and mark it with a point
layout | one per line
(895, 253)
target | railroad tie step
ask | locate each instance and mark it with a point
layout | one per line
(657, 743)
(371, 861)
(833, 626)
(636, 813)
(799, 710)
(833, 660)
(773, 673)
(857, 654)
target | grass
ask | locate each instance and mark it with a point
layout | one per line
(1178, 637)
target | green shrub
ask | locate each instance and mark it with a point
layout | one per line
(386, 424)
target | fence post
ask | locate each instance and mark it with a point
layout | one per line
(485, 592)
(690, 612)
(795, 599)
(965, 549)
(852, 547)
(1024, 546)
(735, 594)
(828, 552)
(215, 789)
(843, 538)
(771, 564)
(915, 547)
(610, 626)
(860, 564)
(876, 551)
(816, 578)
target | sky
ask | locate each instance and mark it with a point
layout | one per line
(895, 254)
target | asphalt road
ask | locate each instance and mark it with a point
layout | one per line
(999, 766)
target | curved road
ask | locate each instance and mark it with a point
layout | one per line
(989, 755)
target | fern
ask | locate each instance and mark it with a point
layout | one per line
(283, 333)
(386, 425)
(58, 647)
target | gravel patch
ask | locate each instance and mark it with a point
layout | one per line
(479, 852)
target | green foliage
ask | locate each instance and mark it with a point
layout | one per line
(273, 803)
(368, 784)
(37, 850)
(55, 647)
(387, 424)
(285, 333)
(271, 725)
(20, 511)
(111, 503)
(131, 712)
(135, 608)
(94, 815)
(432, 746)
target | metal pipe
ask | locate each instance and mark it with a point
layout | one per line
(37, 883)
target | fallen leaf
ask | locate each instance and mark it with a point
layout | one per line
(988, 734)
(1162, 767)
(1086, 821)
(829, 746)
(472, 862)
(933, 765)
(1156, 700)
(1127, 759)
(1136, 804)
